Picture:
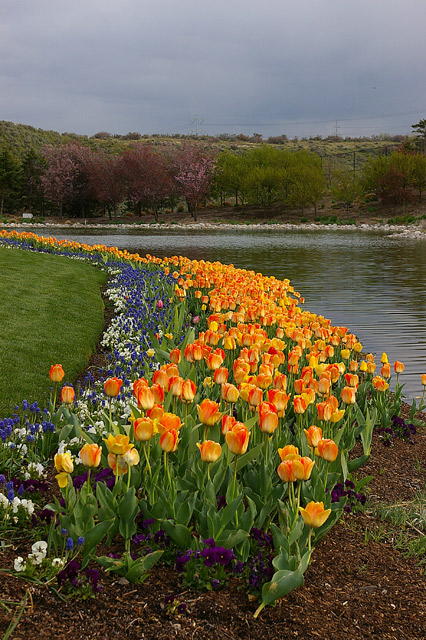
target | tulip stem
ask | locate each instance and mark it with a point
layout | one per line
(88, 480)
(309, 539)
(166, 464)
(116, 470)
(266, 439)
(147, 460)
(235, 476)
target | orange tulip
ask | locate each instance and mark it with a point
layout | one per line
(299, 404)
(302, 468)
(279, 398)
(289, 452)
(328, 450)
(67, 395)
(237, 439)
(255, 396)
(325, 411)
(371, 367)
(348, 395)
(268, 417)
(112, 387)
(299, 386)
(169, 441)
(56, 373)
(398, 366)
(230, 393)
(158, 393)
(144, 429)
(189, 389)
(90, 455)
(208, 412)
(423, 378)
(175, 385)
(145, 398)
(324, 386)
(313, 435)
(386, 370)
(175, 356)
(352, 380)
(168, 422)
(380, 383)
(117, 463)
(314, 515)
(140, 382)
(285, 471)
(220, 376)
(210, 451)
(156, 413)
(280, 381)
(227, 423)
(161, 378)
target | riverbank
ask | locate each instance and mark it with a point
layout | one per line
(410, 220)
(407, 230)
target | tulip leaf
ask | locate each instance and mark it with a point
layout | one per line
(282, 583)
(356, 463)
(234, 538)
(93, 538)
(139, 569)
(248, 516)
(178, 533)
(248, 457)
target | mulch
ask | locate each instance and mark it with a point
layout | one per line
(355, 588)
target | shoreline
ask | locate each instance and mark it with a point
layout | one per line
(399, 230)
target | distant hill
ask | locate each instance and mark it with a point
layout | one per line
(20, 138)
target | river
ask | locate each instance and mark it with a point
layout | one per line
(370, 281)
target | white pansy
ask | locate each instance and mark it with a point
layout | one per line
(19, 564)
(39, 547)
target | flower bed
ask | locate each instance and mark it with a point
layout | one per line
(223, 428)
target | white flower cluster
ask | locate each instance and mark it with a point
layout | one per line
(35, 558)
(17, 506)
(34, 470)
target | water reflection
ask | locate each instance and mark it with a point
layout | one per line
(368, 281)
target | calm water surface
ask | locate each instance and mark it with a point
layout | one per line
(370, 282)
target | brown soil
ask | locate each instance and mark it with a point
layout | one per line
(354, 589)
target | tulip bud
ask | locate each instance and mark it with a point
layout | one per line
(314, 515)
(67, 395)
(90, 455)
(56, 373)
(210, 451)
(328, 450)
(112, 387)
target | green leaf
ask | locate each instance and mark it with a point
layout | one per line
(233, 539)
(282, 583)
(356, 463)
(141, 566)
(93, 538)
(178, 533)
(247, 457)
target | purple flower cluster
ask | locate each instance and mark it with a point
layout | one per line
(347, 490)
(71, 577)
(399, 429)
(211, 555)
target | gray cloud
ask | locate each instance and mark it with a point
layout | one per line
(140, 65)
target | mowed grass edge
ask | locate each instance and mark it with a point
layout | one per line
(51, 311)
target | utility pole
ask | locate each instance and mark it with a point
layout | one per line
(336, 128)
(197, 122)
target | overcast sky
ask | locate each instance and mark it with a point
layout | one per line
(299, 67)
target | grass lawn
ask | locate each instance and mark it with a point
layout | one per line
(51, 311)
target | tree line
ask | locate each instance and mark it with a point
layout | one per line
(77, 181)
